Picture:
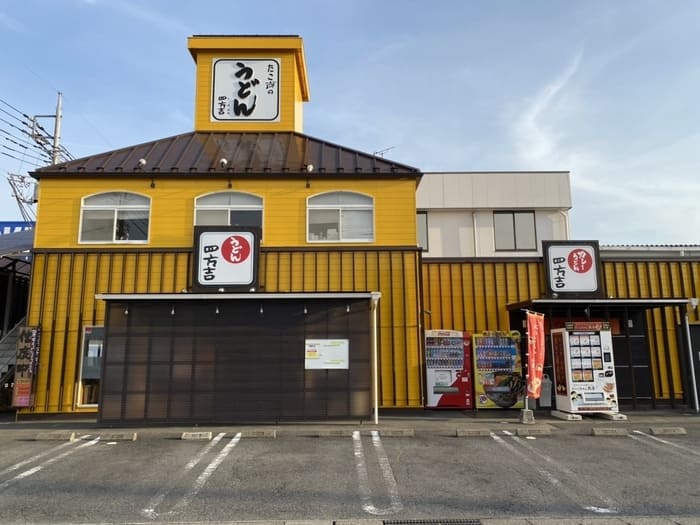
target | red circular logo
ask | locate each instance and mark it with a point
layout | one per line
(235, 249)
(580, 260)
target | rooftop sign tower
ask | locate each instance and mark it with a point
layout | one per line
(249, 83)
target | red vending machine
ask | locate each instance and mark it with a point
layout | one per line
(448, 369)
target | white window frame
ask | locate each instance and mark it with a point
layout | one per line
(228, 208)
(340, 207)
(115, 209)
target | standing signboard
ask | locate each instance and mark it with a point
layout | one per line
(26, 363)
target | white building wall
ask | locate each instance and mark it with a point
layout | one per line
(460, 209)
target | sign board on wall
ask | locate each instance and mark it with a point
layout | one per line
(26, 363)
(572, 268)
(225, 259)
(324, 354)
(245, 89)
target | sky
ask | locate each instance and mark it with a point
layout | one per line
(607, 90)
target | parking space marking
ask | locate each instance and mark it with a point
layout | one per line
(610, 507)
(149, 511)
(46, 463)
(648, 439)
(363, 476)
(206, 474)
(36, 457)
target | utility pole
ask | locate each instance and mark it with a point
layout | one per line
(39, 138)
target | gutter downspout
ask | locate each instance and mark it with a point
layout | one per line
(692, 363)
(375, 357)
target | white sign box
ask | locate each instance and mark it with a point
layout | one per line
(324, 354)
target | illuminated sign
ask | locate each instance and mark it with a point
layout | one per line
(245, 89)
(225, 259)
(573, 267)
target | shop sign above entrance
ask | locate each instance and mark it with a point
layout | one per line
(225, 260)
(573, 268)
(245, 89)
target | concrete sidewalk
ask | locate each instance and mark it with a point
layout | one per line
(392, 423)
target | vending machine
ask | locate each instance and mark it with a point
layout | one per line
(448, 368)
(584, 368)
(498, 378)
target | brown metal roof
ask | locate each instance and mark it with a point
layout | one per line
(262, 153)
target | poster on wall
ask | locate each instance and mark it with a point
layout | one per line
(26, 363)
(326, 354)
(225, 259)
(572, 268)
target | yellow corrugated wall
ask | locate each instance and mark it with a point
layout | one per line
(472, 295)
(63, 301)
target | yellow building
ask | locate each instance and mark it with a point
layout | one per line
(115, 283)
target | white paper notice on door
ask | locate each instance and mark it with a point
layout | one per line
(323, 354)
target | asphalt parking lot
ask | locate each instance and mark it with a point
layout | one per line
(408, 469)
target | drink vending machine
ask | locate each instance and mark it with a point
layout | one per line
(498, 379)
(584, 368)
(448, 365)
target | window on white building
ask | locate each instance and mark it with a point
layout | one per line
(514, 230)
(340, 216)
(115, 217)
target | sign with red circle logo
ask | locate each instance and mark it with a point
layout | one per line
(225, 258)
(572, 267)
(235, 249)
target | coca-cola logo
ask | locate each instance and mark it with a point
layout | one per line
(235, 249)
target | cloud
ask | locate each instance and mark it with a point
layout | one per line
(534, 141)
(10, 23)
(153, 19)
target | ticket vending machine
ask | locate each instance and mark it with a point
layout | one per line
(448, 369)
(584, 368)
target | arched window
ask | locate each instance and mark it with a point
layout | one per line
(228, 208)
(340, 216)
(115, 217)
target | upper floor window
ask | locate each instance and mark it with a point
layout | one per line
(229, 208)
(116, 216)
(340, 216)
(514, 230)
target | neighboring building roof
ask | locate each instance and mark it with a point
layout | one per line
(250, 153)
(15, 251)
(649, 251)
(14, 244)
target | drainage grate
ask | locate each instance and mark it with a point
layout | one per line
(432, 522)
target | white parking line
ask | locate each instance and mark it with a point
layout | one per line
(46, 463)
(208, 471)
(662, 443)
(363, 476)
(610, 507)
(551, 478)
(149, 511)
(35, 457)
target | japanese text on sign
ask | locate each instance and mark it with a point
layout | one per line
(245, 89)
